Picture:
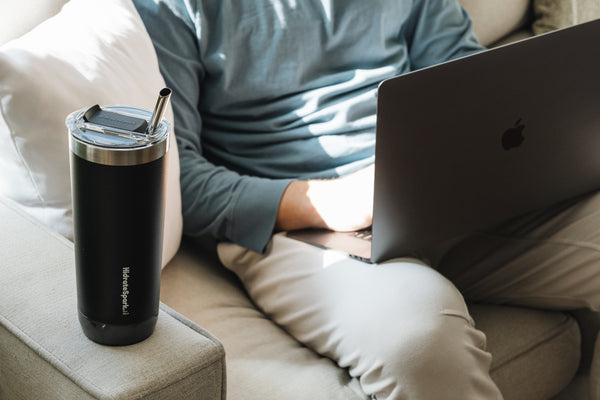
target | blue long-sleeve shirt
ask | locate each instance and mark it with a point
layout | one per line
(266, 91)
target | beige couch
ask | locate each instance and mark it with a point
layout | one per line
(537, 354)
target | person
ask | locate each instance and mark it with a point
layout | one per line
(274, 105)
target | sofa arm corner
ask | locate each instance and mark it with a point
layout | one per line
(44, 353)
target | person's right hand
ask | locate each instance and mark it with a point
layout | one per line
(343, 204)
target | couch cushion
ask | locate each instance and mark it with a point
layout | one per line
(495, 19)
(89, 53)
(535, 352)
(555, 14)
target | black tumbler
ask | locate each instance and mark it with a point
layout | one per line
(117, 183)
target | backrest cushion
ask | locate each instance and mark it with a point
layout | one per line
(495, 19)
(556, 14)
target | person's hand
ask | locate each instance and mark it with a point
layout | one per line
(344, 204)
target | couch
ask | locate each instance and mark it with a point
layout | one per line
(211, 341)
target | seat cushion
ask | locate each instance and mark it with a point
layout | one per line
(536, 353)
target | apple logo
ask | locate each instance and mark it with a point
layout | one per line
(513, 137)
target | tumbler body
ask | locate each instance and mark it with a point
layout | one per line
(118, 210)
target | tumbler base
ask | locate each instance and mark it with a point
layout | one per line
(117, 335)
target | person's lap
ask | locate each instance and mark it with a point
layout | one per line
(394, 325)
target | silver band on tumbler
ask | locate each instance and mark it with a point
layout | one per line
(118, 157)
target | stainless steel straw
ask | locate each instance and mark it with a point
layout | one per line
(159, 109)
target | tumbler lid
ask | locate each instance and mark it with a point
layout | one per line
(116, 135)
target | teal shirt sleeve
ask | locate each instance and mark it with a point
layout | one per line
(439, 31)
(215, 200)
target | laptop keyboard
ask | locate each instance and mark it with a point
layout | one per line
(365, 234)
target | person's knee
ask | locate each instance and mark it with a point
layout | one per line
(427, 347)
(443, 357)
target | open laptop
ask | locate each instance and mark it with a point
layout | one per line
(467, 144)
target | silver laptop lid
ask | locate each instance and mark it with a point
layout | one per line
(469, 143)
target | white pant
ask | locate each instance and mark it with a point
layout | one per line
(401, 327)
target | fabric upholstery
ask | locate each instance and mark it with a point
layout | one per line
(552, 14)
(44, 353)
(495, 19)
(89, 53)
(535, 353)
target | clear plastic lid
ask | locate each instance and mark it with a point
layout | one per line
(116, 135)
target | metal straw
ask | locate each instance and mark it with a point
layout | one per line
(159, 109)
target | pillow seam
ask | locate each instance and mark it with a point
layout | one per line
(21, 157)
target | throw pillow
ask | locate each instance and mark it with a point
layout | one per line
(18, 17)
(556, 14)
(91, 52)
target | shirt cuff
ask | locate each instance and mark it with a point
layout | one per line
(255, 212)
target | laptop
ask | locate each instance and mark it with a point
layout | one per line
(470, 143)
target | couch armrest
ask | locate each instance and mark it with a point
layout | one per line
(44, 354)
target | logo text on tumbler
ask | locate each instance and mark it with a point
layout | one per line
(125, 291)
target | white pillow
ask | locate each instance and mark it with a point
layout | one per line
(92, 52)
(18, 17)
